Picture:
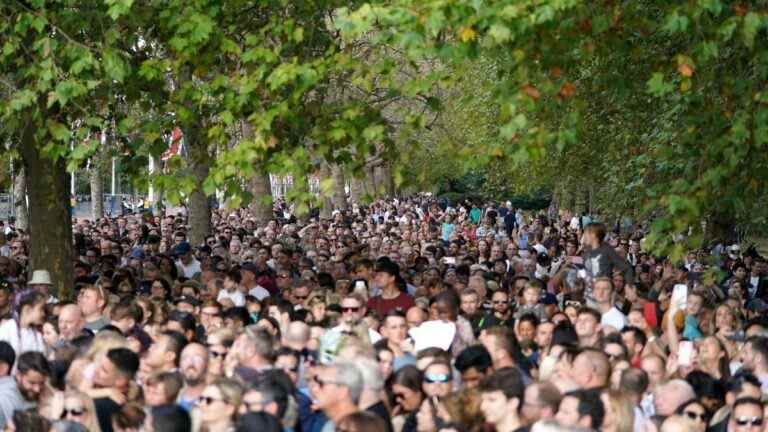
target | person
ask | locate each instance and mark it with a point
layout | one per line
(165, 352)
(337, 389)
(668, 397)
(501, 396)
(406, 389)
(71, 322)
(186, 261)
(587, 327)
(747, 416)
(600, 259)
(219, 403)
(249, 272)
(194, 368)
(373, 385)
(581, 408)
(79, 408)
(696, 412)
(540, 402)
(591, 369)
(362, 421)
(167, 418)
(501, 315)
(92, 300)
(391, 297)
(115, 372)
(42, 283)
(258, 421)
(611, 318)
(394, 330)
(438, 379)
(619, 414)
(23, 391)
(162, 388)
(22, 332)
(474, 364)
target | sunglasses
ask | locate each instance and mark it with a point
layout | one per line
(432, 378)
(696, 416)
(207, 400)
(749, 421)
(500, 302)
(74, 412)
(350, 309)
(321, 382)
(301, 297)
(574, 303)
(217, 354)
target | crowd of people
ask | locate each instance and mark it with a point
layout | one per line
(406, 315)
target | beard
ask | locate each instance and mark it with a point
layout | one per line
(194, 380)
(29, 396)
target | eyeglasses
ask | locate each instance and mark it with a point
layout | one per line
(217, 354)
(696, 416)
(301, 297)
(73, 412)
(350, 309)
(433, 378)
(749, 421)
(321, 382)
(207, 400)
(500, 302)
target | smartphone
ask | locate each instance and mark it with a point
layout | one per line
(685, 353)
(680, 296)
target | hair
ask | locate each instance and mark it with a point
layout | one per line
(172, 383)
(736, 383)
(130, 416)
(747, 401)
(348, 375)
(590, 311)
(681, 409)
(33, 361)
(369, 370)
(125, 360)
(589, 405)
(622, 406)
(274, 389)
(705, 385)
(262, 341)
(598, 229)
(127, 308)
(474, 356)
(175, 343)
(564, 334)
(27, 298)
(231, 390)
(637, 334)
(634, 381)
(223, 337)
(259, 421)
(171, 418)
(30, 421)
(408, 376)
(507, 380)
(91, 421)
(7, 354)
(362, 421)
(549, 395)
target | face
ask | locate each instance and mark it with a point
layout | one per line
(655, 370)
(89, 302)
(471, 378)
(568, 413)
(746, 418)
(698, 415)
(407, 398)
(194, 364)
(74, 410)
(500, 302)
(544, 334)
(351, 311)
(50, 336)
(531, 296)
(70, 324)
(586, 325)
(213, 406)
(437, 381)
(495, 406)
(693, 306)
(290, 365)
(469, 304)
(154, 394)
(324, 387)
(525, 331)
(723, 318)
(386, 361)
(31, 384)
(395, 329)
(602, 292)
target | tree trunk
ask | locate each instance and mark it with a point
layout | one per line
(20, 198)
(326, 205)
(261, 188)
(199, 206)
(339, 187)
(50, 224)
(356, 190)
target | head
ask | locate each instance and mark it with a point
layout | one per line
(581, 408)
(71, 322)
(501, 395)
(32, 373)
(474, 364)
(220, 401)
(746, 416)
(340, 382)
(194, 364)
(438, 379)
(668, 397)
(540, 402)
(117, 369)
(91, 300)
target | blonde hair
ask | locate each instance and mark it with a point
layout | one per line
(231, 391)
(224, 337)
(103, 342)
(89, 420)
(622, 409)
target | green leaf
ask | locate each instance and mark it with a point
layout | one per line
(752, 24)
(713, 6)
(500, 33)
(118, 8)
(657, 86)
(58, 131)
(114, 66)
(676, 23)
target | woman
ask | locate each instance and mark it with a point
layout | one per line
(361, 421)
(406, 391)
(219, 343)
(160, 289)
(50, 335)
(21, 331)
(696, 412)
(162, 388)
(713, 358)
(78, 407)
(218, 405)
(619, 412)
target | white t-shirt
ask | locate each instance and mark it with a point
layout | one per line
(21, 341)
(238, 299)
(191, 270)
(614, 318)
(259, 292)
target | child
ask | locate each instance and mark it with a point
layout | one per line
(531, 303)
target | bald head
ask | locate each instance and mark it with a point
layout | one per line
(71, 322)
(591, 369)
(194, 364)
(297, 335)
(415, 316)
(669, 396)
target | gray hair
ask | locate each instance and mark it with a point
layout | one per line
(369, 369)
(261, 340)
(349, 376)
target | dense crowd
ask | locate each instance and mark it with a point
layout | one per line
(399, 316)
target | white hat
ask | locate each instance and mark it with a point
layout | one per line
(431, 334)
(40, 277)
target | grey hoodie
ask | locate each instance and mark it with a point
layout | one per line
(10, 399)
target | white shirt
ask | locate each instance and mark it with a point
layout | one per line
(259, 292)
(236, 296)
(191, 270)
(614, 318)
(21, 341)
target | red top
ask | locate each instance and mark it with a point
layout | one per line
(383, 306)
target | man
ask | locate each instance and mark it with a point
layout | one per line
(601, 259)
(747, 416)
(581, 408)
(501, 397)
(269, 395)
(591, 369)
(336, 390)
(611, 319)
(415, 316)
(41, 282)
(655, 367)
(248, 273)
(22, 391)
(540, 402)
(352, 312)
(635, 340)
(115, 372)
(71, 322)
(741, 385)
(164, 353)
(391, 297)
(373, 385)
(474, 364)
(669, 396)
(186, 261)
(395, 330)
(500, 315)
(543, 337)
(194, 368)
(755, 359)
(470, 306)
(501, 346)
(299, 294)
(92, 301)
(588, 327)
(253, 351)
